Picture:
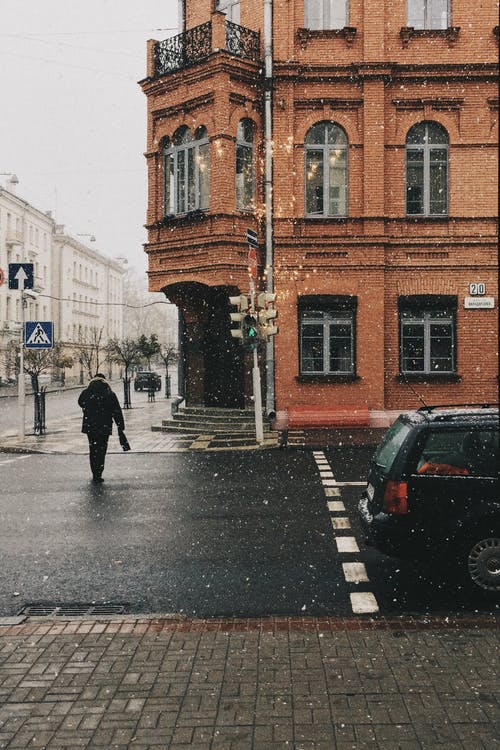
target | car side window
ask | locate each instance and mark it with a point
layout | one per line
(459, 453)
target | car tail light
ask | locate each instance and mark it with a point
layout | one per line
(396, 497)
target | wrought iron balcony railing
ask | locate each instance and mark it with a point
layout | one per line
(183, 49)
(195, 44)
(242, 41)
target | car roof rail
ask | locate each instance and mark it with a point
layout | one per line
(482, 405)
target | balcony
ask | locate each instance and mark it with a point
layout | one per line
(198, 43)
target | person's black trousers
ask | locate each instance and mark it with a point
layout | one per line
(98, 445)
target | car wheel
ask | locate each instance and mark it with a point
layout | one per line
(483, 563)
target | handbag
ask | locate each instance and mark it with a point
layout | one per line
(123, 440)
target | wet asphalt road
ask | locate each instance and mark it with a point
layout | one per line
(204, 534)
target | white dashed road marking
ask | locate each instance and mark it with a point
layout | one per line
(341, 523)
(355, 572)
(362, 602)
(346, 544)
(336, 506)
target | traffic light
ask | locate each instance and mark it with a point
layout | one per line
(241, 302)
(267, 313)
(250, 332)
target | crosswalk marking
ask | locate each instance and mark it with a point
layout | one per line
(346, 544)
(341, 523)
(336, 506)
(363, 603)
(355, 572)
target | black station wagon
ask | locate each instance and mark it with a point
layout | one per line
(433, 488)
(147, 380)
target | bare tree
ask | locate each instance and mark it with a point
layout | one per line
(146, 312)
(126, 352)
(169, 355)
(90, 350)
(35, 361)
(10, 358)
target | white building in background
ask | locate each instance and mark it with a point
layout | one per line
(88, 287)
(80, 290)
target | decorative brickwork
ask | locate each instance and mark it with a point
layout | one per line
(375, 79)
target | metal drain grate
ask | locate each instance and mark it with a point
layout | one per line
(43, 609)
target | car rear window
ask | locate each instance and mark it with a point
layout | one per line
(389, 448)
(463, 451)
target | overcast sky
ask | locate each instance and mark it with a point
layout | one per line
(72, 117)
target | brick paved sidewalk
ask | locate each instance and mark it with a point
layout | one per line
(277, 684)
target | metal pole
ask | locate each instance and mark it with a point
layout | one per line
(257, 391)
(21, 389)
(268, 62)
(257, 397)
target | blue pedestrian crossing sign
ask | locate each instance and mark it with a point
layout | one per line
(39, 334)
(21, 276)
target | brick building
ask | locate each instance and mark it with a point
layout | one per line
(359, 139)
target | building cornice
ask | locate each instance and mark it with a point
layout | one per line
(359, 72)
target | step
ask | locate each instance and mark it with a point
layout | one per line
(209, 426)
(216, 411)
(205, 430)
(214, 419)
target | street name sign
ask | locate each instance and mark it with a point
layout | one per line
(479, 303)
(39, 334)
(21, 276)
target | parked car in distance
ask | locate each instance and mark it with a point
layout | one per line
(433, 492)
(146, 380)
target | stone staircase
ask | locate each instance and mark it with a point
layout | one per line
(218, 428)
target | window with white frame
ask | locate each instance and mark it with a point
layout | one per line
(427, 170)
(326, 150)
(427, 334)
(326, 14)
(231, 8)
(245, 165)
(428, 14)
(186, 169)
(327, 326)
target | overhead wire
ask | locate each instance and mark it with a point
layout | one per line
(103, 304)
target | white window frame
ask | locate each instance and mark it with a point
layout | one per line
(231, 8)
(326, 319)
(428, 15)
(325, 149)
(245, 202)
(427, 148)
(426, 319)
(177, 197)
(324, 15)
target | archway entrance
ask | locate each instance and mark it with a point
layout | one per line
(212, 360)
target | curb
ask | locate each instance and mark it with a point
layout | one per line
(142, 624)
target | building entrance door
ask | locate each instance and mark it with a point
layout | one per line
(224, 384)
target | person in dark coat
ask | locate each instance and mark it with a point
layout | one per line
(100, 407)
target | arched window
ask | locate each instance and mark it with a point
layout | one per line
(427, 170)
(186, 169)
(326, 148)
(325, 14)
(244, 165)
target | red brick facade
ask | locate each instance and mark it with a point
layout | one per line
(376, 79)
